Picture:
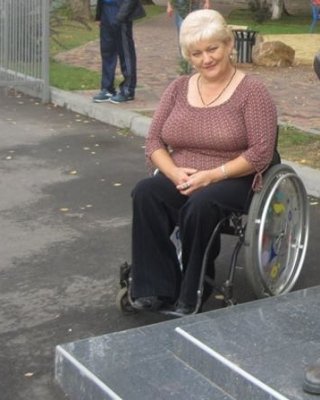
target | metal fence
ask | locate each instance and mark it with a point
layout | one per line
(24, 46)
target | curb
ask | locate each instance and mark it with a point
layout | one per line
(113, 115)
(139, 125)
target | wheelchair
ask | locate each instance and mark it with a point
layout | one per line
(274, 234)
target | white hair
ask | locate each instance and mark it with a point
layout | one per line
(203, 25)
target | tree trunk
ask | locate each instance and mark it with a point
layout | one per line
(277, 8)
(80, 9)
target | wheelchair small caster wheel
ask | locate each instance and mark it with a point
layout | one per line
(123, 303)
(230, 302)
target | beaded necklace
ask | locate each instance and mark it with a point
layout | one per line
(219, 95)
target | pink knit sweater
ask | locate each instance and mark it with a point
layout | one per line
(205, 138)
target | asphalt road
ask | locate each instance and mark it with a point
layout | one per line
(65, 212)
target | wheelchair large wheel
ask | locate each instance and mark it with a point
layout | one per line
(277, 232)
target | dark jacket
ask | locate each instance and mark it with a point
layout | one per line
(129, 10)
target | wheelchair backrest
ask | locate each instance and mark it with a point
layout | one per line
(276, 159)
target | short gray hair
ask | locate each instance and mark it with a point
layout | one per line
(203, 25)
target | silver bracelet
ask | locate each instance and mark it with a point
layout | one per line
(224, 172)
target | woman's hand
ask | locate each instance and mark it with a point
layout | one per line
(180, 175)
(162, 160)
(196, 181)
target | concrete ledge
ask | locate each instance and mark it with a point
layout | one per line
(256, 350)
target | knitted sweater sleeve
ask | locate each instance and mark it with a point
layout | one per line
(154, 140)
(260, 117)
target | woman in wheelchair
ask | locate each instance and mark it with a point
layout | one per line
(211, 138)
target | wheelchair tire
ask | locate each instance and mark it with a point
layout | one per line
(277, 232)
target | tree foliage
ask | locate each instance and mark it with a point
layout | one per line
(68, 16)
(80, 9)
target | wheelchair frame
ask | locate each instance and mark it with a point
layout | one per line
(274, 257)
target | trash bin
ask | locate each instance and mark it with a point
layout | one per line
(244, 41)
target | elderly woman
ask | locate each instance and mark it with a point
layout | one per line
(211, 137)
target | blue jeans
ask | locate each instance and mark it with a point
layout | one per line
(116, 40)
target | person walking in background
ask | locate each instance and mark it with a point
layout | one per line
(315, 6)
(181, 8)
(116, 40)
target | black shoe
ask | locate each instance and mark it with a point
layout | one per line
(150, 303)
(311, 382)
(181, 310)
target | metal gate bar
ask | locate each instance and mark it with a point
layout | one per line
(24, 46)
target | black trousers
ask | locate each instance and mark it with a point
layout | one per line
(157, 208)
(116, 40)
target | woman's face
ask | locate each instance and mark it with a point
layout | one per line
(211, 58)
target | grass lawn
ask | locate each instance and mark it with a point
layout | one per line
(300, 147)
(286, 25)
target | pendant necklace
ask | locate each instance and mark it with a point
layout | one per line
(219, 95)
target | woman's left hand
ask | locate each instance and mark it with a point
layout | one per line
(196, 181)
